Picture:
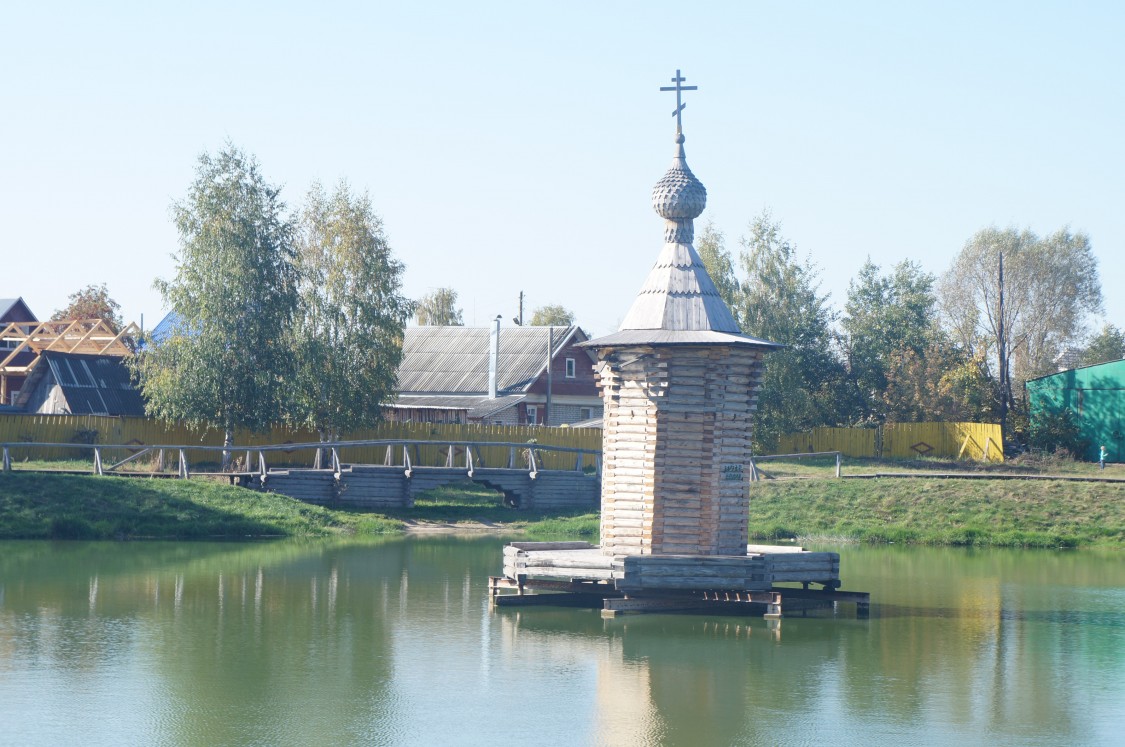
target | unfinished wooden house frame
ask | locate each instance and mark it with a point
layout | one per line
(23, 343)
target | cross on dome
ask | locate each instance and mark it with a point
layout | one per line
(679, 89)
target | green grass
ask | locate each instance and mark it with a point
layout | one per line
(42, 506)
(1000, 513)
(1003, 513)
(53, 506)
(1028, 464)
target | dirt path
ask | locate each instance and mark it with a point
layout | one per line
(442, 527)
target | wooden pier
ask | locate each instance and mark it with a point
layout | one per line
(580, 574)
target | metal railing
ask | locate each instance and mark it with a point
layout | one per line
(756, 476)
(415, 454)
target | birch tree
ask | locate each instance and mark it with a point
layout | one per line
(347, 335)
(234, 294)
(439, 309)
(552, 315)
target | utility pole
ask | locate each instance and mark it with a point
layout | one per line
(519, 319)
(1002, 350)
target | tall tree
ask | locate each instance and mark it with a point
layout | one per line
(712, 249)
(887, 316)
(438, 309)
(552, 315)
(347, 334)
(92, 302)
(1106, 345)
(802, 383)
(1021, 325)
(234, 294)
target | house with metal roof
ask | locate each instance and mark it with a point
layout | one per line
(495, 376)
(80, 384)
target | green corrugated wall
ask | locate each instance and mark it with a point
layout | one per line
(1095, 395)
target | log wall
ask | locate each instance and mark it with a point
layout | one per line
(677, 428)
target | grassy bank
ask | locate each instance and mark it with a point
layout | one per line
(45, 506)
(39, 506)
(1005, 513)
(1000, 513)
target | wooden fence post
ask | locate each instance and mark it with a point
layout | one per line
(7, 460)
(97, 461)
(183, 465)
(837, 464)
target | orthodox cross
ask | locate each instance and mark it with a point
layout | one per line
(679, 104)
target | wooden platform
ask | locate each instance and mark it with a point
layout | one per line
(578, 573)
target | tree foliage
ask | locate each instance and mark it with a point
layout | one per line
(438, 309)
(780, 300)
(91, 302)
(889, 322)
(234, 293)
(711, 246)
(1106, 345)
(1050, 286)
(552, 315)
(346, 338)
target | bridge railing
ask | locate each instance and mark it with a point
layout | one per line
(184, 460)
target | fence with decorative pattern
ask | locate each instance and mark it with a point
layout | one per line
(980, 441)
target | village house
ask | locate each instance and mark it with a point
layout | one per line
(495, 376)
(80, 384)
(15, 318)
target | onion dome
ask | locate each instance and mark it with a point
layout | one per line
(679, 195)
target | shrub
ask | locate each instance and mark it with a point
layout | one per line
(1057, 431)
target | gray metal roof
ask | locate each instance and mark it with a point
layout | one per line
(475, 406)
(91, 384)
(454, 360)
(7, 304)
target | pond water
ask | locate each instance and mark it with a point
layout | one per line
(393, 642)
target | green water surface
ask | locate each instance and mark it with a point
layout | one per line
(393, 642)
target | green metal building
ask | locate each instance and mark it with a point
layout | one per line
(1095, 395)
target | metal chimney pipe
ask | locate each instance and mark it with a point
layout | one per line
(550, 355)
(493, 356)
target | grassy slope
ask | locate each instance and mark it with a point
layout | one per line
(80, 507)
(1037, 513)
(982, 512)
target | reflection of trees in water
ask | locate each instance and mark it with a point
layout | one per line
(384, 642)
(253, 643)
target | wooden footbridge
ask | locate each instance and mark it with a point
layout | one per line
(530, 476)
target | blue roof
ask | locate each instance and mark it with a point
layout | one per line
(165, 328)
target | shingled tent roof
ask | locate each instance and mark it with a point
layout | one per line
(678, 303)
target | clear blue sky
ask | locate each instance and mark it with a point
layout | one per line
(513, 146)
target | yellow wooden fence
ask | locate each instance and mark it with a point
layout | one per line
(141, 432)
(895, 440)
(980, 441)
